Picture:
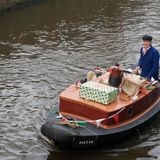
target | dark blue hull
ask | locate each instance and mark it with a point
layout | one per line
(91, 135)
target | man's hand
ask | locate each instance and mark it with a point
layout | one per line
(137, 70)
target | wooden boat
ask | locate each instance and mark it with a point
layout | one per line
(104, 123)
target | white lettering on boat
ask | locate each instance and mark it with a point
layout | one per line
(86, 142)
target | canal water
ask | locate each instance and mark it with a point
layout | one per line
(47, 47)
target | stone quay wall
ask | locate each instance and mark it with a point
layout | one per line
(12, 4)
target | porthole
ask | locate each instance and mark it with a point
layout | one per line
(130, 111)
(151, 98)
(157, 91)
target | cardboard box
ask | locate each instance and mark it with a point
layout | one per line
(98, 92)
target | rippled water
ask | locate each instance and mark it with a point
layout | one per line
(46, 47)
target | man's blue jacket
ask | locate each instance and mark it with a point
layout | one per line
(149, 63)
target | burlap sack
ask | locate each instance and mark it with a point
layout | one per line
(91, 76)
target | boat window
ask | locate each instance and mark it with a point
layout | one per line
(150, 98)
(130, 111)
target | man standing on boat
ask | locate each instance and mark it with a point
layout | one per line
(149, 60)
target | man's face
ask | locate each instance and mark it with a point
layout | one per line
(146, 44)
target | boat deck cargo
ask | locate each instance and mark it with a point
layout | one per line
(98, 92)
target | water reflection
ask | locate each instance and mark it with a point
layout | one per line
(46, 47)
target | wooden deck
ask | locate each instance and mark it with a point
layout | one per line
(71, 94)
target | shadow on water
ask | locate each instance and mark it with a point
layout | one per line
(46, 47)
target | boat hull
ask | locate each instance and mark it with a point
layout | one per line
(91, 135)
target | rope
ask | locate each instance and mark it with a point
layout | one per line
(76, 123)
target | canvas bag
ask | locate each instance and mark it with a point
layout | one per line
(132, 83)
(91, 76)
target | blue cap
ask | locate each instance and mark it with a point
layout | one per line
(147, 38)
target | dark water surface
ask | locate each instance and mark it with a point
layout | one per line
(46, 47)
